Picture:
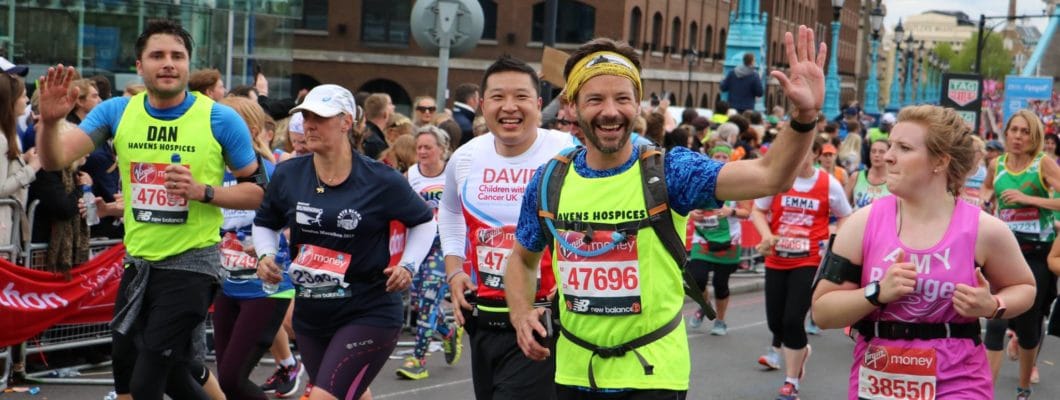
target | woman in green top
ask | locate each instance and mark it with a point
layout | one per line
(716, 248)
(1024, 178)
(869, 184)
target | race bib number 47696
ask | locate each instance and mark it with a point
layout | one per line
(604, 284)
(150, 201)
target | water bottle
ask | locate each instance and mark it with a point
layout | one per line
(268, 288)
(173, 199)
(91, 214)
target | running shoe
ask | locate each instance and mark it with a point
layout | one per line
(285, 380)
(413, 369)
(695, 320)
(788, 392)
(1023, 394)
(453, 346)
(812, 328)
(308, 388)
(1013, 348)
(719, 329)
(805, 359)
(770, 360)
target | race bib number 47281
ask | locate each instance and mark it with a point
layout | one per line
(492, 248)
(150, 201)
(604, 284)
(895, 373)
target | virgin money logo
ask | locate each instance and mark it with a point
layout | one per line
(143, 172)
(876, 357)
(487, 235)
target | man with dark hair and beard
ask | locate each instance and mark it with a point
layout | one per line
(626, 333)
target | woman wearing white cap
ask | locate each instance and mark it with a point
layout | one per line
(338, 205)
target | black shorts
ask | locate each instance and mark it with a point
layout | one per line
(500, 371)
(572, 393)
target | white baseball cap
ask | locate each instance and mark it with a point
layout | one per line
(12, 69)
(888, 119)
(328, 101)
(295, 125)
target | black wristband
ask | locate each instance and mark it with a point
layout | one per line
(801, 127)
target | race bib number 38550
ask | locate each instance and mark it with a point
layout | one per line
(895, 373)
(150, 202)
(605, 284)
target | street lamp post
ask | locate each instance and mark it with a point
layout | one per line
(895, 101)
(909, 54)
(831, 91)
(921, 75)
(872, 89)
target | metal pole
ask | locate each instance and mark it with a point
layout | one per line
(549, 39)
(445, 26)
(895, 102)
(872, 89)
(979, 45)
(230, 45)
(80, 35)
(908, 78)
(831, 92)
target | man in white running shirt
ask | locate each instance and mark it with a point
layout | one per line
(480, 205)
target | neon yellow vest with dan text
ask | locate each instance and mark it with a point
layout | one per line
(144, 146)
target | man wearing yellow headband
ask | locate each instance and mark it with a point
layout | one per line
(620, 295)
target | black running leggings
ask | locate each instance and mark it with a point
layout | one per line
(243, 332)
(787, 302)
(701, 269)
(344, 364)
(1028, 326)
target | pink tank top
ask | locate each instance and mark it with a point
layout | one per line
(937, 368)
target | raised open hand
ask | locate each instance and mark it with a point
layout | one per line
(56, 98)
(804, 83)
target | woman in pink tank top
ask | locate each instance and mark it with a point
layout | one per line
(903, 271)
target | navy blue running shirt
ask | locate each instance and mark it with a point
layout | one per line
(352, 217)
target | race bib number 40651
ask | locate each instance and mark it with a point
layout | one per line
(605, 284)
(895, 373)
(150, 201)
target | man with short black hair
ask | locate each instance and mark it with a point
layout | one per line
(743, 85)
(465, 103)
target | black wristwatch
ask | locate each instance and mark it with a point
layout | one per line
(801, 127)
(207, 194)
(872, 293)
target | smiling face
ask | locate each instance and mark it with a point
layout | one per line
(910, 167)
(606, 107)
(164, 66)
(511, 107)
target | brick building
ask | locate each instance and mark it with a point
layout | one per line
(366, 44)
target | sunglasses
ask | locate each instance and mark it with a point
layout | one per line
(564, 122)
(425, 109)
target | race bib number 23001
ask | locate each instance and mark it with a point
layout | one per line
(150, 201)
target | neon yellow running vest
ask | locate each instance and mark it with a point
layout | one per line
(618, 199)
(157, 227)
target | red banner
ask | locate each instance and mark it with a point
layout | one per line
(32, 301)
(397, 242)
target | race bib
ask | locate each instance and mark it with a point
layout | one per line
(792, 242)
(150, 201)
(233, 257)
(1021, 220)
(970, 195)
(605, 284)
(320, 273)
(491, 254)
(896, 373)
(708, 222)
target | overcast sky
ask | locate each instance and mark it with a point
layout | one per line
(903, 8)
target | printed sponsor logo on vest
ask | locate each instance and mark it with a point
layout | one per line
(504, 184)
(30, 300)
(931, 289)
(623, 246)
(144, 172)
(507, 175)
(351, 345)
(876, 357)
(491, 235)
(800, 203)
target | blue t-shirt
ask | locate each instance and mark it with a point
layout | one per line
(690, 181)
(352, 217)
(228, 128)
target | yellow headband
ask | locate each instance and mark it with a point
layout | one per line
(601, 63)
